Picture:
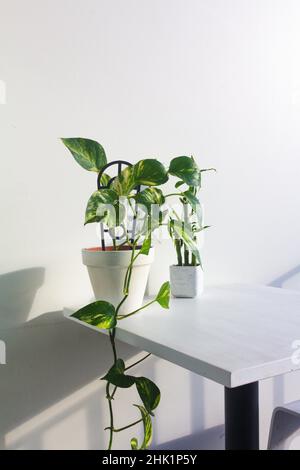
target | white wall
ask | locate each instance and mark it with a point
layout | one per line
(216, 78)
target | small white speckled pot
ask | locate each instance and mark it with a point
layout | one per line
(186, 281)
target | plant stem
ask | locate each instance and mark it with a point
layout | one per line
(112, 334)
(186, 257)
(173, 194)
(178, 251)
(208, 169)
(128, 277)
(111, 433)
(121, 317)
(185, 250)
(194, 260)
(137, 362)
(114, 391)
(128, 426)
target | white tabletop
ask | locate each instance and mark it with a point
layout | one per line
(232, 335)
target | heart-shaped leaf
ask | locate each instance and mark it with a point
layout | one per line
(148, 392)
(147, 430)
(124, 183)
(88, 153)
(186, 169)
(149, 197)
(163, 296)
(149, 172)
(146, 246)
(100, 313)
(105, 206)
(105, 179)
(116, 375)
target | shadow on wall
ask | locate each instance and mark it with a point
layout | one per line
(17, 293)
(208, 439)
(48, 359)
(279, 281)
(55, 421)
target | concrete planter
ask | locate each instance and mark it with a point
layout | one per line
(186, 281)
(107, 271)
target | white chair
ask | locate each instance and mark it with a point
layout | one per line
(285, 426)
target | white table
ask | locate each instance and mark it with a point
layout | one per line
(233, 335)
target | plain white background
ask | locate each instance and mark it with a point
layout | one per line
(219, 79)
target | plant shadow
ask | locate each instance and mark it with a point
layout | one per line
(17, 293)
(48, 359)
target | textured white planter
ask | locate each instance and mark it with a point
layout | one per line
(186, 281)
(107, 271)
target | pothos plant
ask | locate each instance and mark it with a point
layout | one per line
(185, 226)
(149, 174)
(109, 205)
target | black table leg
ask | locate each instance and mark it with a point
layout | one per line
(242, 417)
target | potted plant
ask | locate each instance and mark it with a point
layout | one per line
(113, 205)
(184, 228)
(134, 185)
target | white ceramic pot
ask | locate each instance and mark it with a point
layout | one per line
(107, 271)
(186, 281)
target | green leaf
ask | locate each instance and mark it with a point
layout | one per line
(147, 430)
(149, 172)
(149, 197)
(124, 183)
(183, 233)
(192, 199)
(195, 204)
(150, 224)
(179, 183)
(186, 169)
(116, 375)
(163, 215)
(148, 392)
(134, 443)
(100, 314)
(146, 246)
(203, 228)
(88, 153)
(104, 206)
(163, 296)
(105, 179)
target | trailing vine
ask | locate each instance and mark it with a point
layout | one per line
(106, 206)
